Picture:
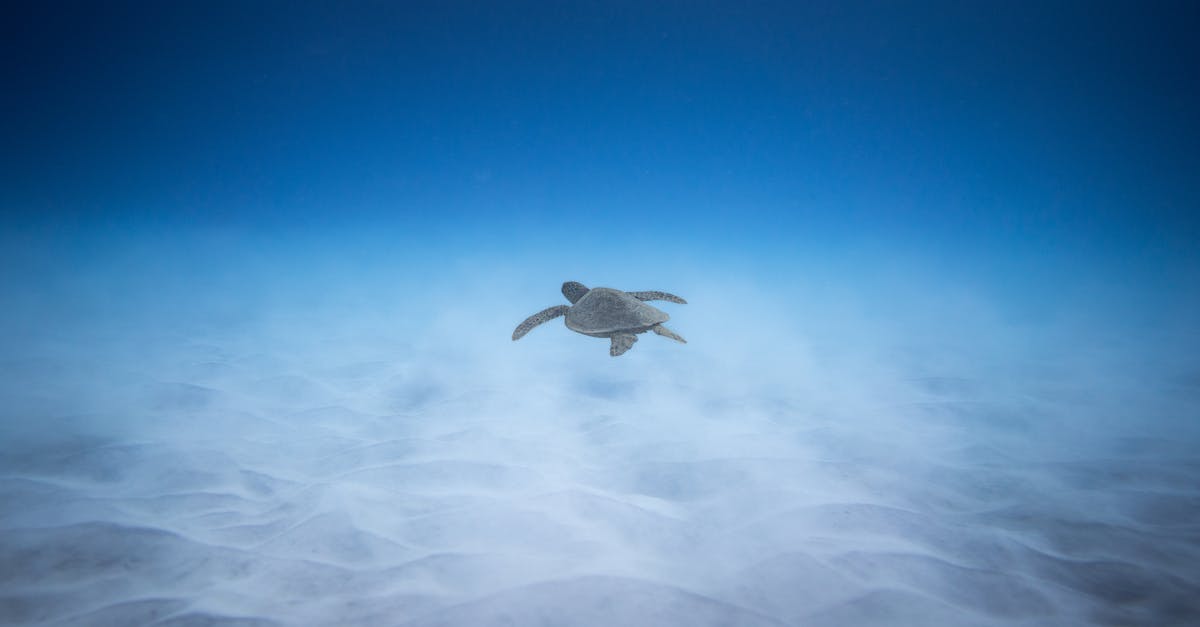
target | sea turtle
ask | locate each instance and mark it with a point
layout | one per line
(605, 312)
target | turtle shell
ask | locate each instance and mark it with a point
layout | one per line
(604, 310)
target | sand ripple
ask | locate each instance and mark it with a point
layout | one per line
(604, 504)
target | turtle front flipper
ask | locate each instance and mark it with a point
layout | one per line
(544, 315)
(657, 296)
(621, 342)
(665, 332)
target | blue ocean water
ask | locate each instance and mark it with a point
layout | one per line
(261, 265)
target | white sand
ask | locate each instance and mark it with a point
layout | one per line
(313, 471)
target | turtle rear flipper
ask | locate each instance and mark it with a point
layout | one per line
(621, 342)
(658, 296)
(544, 315)
(665, 332)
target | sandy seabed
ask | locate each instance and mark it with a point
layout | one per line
(341, 485)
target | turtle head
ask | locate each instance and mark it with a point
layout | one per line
(574, 291)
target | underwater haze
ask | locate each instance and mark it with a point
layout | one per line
(261, 264)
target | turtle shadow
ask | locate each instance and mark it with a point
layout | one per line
(605, 388)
